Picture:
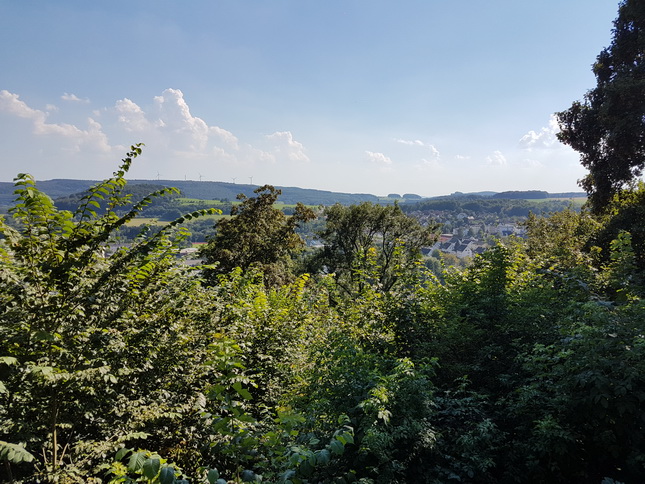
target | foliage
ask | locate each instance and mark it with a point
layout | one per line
(561, 238)
(524, 366)
(607, 128)
(85, 337)
(258, 235)
(380, 242)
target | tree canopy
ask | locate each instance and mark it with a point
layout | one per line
(608, 127)
(369, 238)
(257, 234)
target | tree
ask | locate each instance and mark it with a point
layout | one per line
(92, 342)
(369, 238)
(608, 128)
(257, 235)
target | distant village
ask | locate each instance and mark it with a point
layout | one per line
(467, 236)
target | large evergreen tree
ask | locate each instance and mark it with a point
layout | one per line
(608, 127)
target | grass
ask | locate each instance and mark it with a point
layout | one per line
(199, 201)
(156, 222)
(575, 201)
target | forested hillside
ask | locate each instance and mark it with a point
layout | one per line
(204, 190)
(349, 363)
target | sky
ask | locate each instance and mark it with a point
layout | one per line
(362, 96)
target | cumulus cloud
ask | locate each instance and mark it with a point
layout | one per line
(175, 138)
(378, 158)
(285, 145)
(11, 103)
(131, 116)
(544, 138)
(496, 159)
(73, 98)
(171, 124)
(93, 137)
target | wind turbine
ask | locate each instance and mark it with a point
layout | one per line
(200, 176)
(251, 178)
(157, 175)
(234, 178)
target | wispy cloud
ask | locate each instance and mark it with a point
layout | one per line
(415, 142)
(74, 98)
(497, 158)
(434, 152)
(378, 158)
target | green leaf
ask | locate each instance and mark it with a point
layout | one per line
(8, 360)
(167, 475)
(346, 438)
(136, 461)
(121, 453)
(337, 447)
(243, 392)
(213, 476)
(248, 476)
(151, 467)
(14, 453)
(323, 457)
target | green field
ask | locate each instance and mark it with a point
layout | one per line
(577, 202)
(156, 222)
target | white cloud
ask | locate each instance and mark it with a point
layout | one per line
(415, 142)
(496, 159)
(74, 98)
(11, 104)
(171, 125)
(462, 157)
(379, 158)
(92, 137)
(284, 144)
(226, 136)
(131, 116)
(544, 138)
(174, 118)
(178, 143)
(434, 152)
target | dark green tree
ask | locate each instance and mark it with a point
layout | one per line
(257, 235)
(608, 127)
(371, 242)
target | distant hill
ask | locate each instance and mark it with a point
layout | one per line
(513, 195)
(205, 190)
(213, 190)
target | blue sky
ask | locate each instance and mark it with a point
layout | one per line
(426, 97)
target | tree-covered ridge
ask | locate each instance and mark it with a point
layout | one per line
(203, 190)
